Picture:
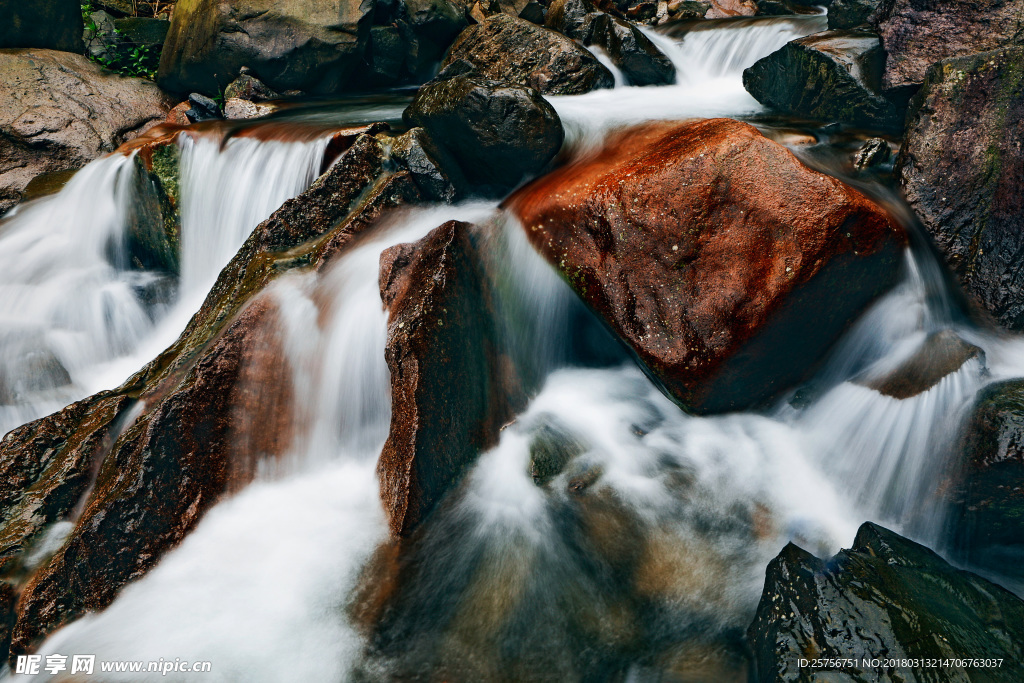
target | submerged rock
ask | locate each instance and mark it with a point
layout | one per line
(516, 51)
(451, 389)
(154, 230)
(728, 266)
(831, 76)
(962, 169)
(49, 25)
(312, 47)
(917, 34)
(59, 111)
(499, 133)
(987, 525)
(941, 354)
(888, 599)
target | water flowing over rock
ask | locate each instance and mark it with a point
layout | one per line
(917, 34)
(704, 246)
(962, 168)
(886, 598)
(499, 133)
(451, 387)
(830, 76)
(58, 111)
(51, 25)
(633, 53)
(987, 524)
(179, 455)
(514, 50)
(311, 47)
(940, 355)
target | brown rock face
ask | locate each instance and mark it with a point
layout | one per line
(727, 265)
(450, 393)
(59, 111)
(510, 49)
(941, 354)
(962, 169)
(918, 33)
(721, 9)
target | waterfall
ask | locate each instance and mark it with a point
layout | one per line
(77, 317)
(709, 65)
(695, 506)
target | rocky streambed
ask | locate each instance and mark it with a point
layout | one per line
(515, 341)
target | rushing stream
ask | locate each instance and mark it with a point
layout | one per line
(263, 586)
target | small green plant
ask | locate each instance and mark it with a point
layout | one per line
(120, 54)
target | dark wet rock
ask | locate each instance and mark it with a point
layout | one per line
(49, 25)
(962, 169)
(450, 389)
(886, 598)
(154, 231)
(552, 448)
(184, 451)
(143, 30)
(917, 34)
(567, 17)
(435, 172)
(386, 55)
(987, 524)
(313, 47)
(941, 354)
(203, 109)
(846, 14)
(735, 272)
(639, 60)
(429, 27)
(59, 111)
(46, 184)
(499, 133)
(830, 76)
(248, 87)
(518, 52)
(874, 152)
(533, 12)
(722, 9)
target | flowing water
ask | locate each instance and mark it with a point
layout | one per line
(514, 571)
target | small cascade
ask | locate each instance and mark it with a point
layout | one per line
(67, 301)
(709, 65)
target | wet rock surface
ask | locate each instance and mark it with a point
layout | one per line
(917, 34)
(962, 168)
(499, 133)
(312, 47)
(51, 25)
(830, 76)
(515, 51)
(716, 265)
(451, 387)
(987, 524)
(886, 598)
(639, 60)
(874, 152)
(847, 14)
(59, 111)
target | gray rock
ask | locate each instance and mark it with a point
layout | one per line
(874, 152)
(59, 111)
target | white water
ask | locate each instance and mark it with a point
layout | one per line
(709, 79)
(74, 317)
(260, 587)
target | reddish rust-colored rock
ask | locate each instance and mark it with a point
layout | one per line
(727, 265)
(450, 389)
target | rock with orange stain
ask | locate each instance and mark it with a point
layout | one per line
(721, 9)
(728, 266)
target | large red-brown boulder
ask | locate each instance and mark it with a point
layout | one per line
(451, 387)
(728, 266)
